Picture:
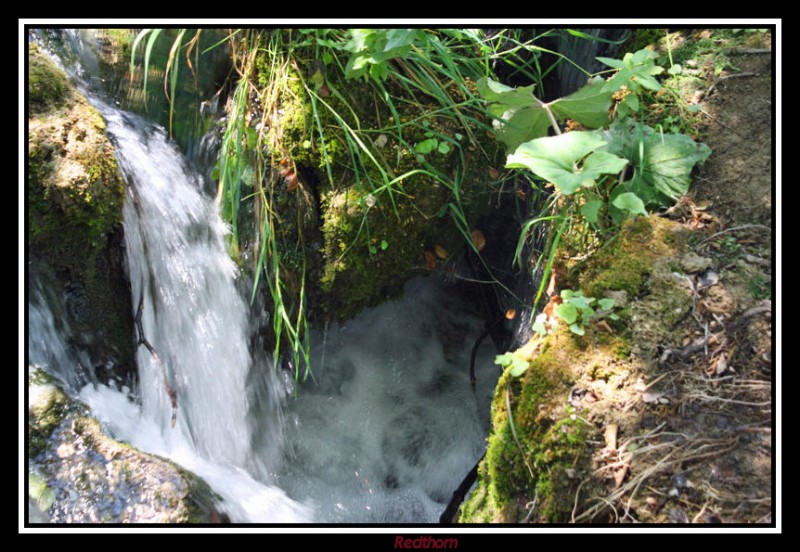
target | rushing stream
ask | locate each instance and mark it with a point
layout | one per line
(384, 432)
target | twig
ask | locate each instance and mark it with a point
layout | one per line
(532, 507)
(734, 229)
(749, 313)
(173, 397)
(745, 51)
(726, 77)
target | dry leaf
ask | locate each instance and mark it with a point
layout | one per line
(430, 260)
(722, 365)
(478, 239)
(610, 436)
(441, 252)
(602, 325)
(494, 174)
(552, 304)
(291, 182)
(552, 285)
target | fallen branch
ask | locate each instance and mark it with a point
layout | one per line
(746, 51)
(734, 229)
(726, 77)
(685, 353)
(142, 340)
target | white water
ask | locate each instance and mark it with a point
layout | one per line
(392, 426)
(385, 433)
(195, 318)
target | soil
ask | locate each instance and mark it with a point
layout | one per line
(697, 444)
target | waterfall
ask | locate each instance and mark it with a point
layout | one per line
(196, 322)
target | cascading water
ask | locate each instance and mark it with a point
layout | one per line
(194, 318)
(384, 433)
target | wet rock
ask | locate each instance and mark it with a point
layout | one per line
(77, 474)
(74, 195)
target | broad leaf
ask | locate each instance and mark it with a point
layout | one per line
(518, 116)
(518, 367)
(556, 158)
(606, 303)
(498, 94)
(399, 38)
(662, 163)
(630, 202)
(589, 105)
(576, 329)
(591, 210)
(519, 125)
(567, 312)
(426, 146)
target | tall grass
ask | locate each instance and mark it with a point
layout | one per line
(428, 72)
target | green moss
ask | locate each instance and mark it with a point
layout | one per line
(47, 84)
(75, 194)
(48, 408)
(550, 441)
(625, 264)
(379, 205)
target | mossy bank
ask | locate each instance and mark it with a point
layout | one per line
(74, 198)
(550, 424)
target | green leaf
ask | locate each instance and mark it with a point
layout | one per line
(519, 125)
(567, 312)
(589, 105)
(373, 250)
(444, 148)
(632, 102)
(630, 202)
(555, 158)
(539, 328)
(518, 116)
(504, 360)
(581, 302)
(576, 329)
(662, 163)
(611, 62)
(426, 146)
(606, 304)
(499, 94)
(384, 245)
(399, 39)
(675, 69)
(591, 210)
(518, 367)
(602, 162)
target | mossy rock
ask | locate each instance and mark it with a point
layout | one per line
(379, 212)
(75, 194)
(47, 84)
(77, 473)
(625, 264)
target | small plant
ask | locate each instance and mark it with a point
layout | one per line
(577, 310)
(518, 365)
